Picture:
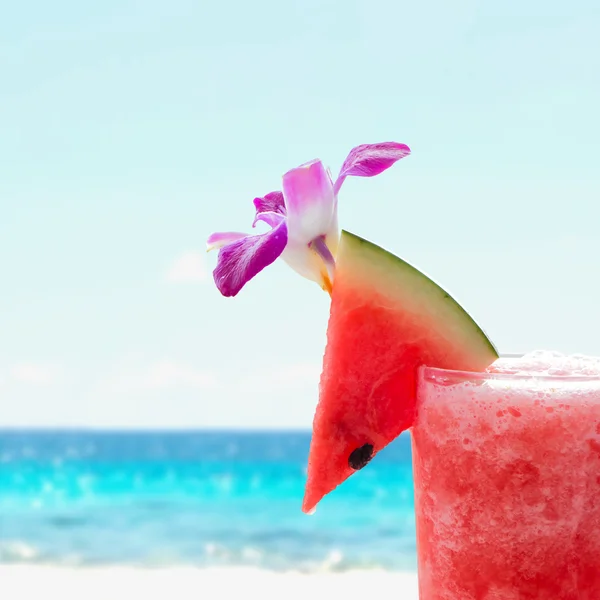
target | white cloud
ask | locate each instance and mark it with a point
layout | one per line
(164, 393)
(37, 374)
(170, 374)
(283, 377)
(190, 267)
(283, 396)
(160, 376)
(173, 393)
(137, 392)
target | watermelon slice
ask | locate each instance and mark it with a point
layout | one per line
(387, 318)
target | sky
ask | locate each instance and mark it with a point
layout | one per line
(130, 130)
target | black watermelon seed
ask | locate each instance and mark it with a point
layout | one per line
(360, 457)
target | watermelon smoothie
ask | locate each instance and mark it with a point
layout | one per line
(507, 480)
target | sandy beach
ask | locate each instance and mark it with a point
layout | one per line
(22, 582)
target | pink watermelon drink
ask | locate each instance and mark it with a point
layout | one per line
(507, 481)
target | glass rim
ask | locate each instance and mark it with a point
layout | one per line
(427, 370)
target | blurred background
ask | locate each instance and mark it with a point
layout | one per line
(206, 499)
(148, 421)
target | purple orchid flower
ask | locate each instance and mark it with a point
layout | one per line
(303, 220)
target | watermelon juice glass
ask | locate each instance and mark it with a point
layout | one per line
(507, 482)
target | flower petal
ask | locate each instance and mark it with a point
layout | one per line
(272, 202)
(220, 239)
(270, 209)
(368, 160)
(270, 218)
(244, 258)
(306, 261)
(309, 201)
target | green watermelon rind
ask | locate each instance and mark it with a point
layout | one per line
(361, 248)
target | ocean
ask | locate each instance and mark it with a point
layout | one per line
(197, 499)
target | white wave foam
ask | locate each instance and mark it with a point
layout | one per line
(16, 550)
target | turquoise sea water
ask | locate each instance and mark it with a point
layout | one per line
(196, 498)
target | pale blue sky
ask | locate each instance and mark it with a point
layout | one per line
(130, 130)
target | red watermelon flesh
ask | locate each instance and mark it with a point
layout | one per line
(386, 319)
